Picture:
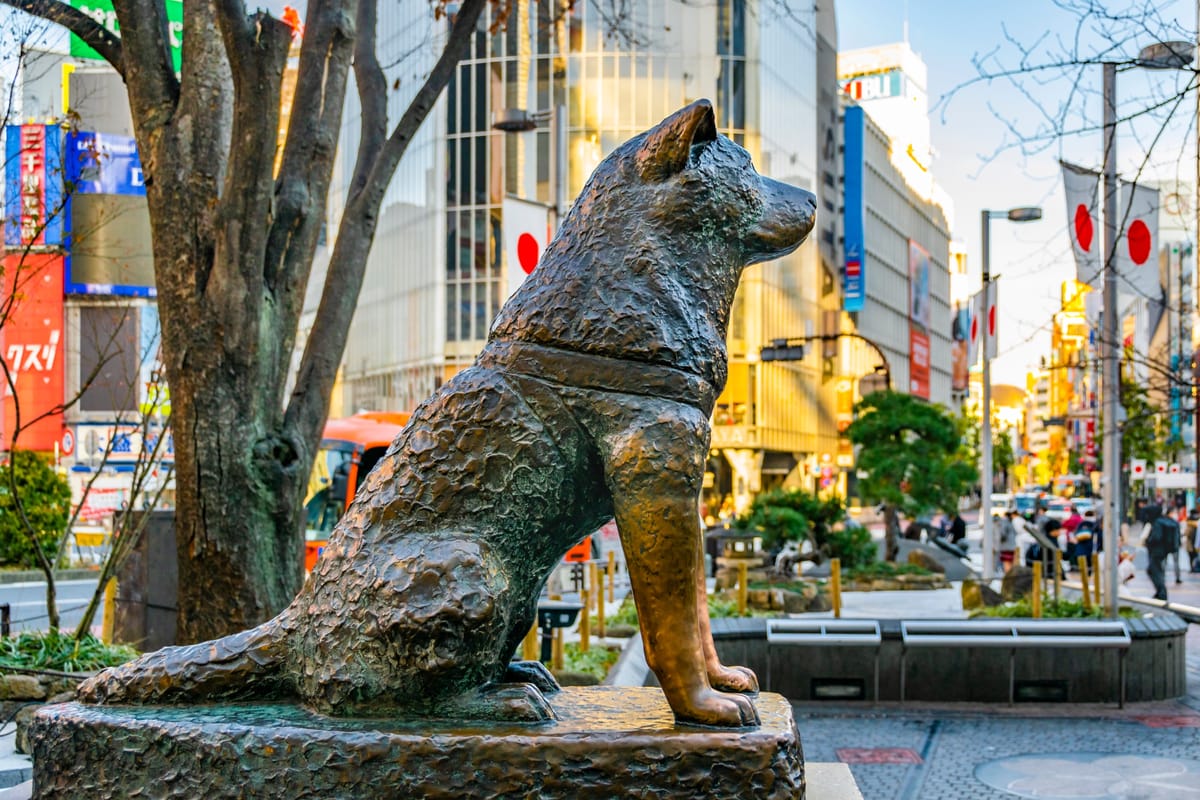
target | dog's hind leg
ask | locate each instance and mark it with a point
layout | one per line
(246, 664)
(654, 465)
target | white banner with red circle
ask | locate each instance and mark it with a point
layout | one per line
(1137, 243)
(526, 227)
(1081, 187)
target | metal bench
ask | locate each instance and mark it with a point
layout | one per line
(1015, 634)
(824, 632)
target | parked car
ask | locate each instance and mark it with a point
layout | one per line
(1025, 503)
(1001, 503)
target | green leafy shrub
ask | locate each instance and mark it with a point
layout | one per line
(882, 570)
(792, 515)
(1051, 609)
(853, 545)
(61, 652)
(46, 500)
(597, 661)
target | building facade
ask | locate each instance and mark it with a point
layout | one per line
(442, 264)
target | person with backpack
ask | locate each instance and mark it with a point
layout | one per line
(1086, 535)
(1161, 536)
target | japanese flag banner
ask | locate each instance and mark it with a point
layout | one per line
(1137, 469)
(974, 330)
(1081, 187)
(1137, 243)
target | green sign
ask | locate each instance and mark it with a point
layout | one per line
(102, 12)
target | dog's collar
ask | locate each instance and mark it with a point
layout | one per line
(590, 371)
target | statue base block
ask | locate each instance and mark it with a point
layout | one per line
(607, 742)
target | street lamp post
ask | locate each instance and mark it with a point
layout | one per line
(518, 120)
(1161, 55)
(1022, 214)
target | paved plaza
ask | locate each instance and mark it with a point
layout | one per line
(1049, 751)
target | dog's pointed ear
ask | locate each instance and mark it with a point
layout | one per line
(667, 146)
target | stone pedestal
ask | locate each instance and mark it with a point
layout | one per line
(608, 742)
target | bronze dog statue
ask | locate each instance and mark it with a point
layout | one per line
(591, 400)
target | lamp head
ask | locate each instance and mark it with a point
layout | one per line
(1024, 214)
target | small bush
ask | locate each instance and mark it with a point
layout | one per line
(597, 661)
(60, 652)
(853, 545)
(46, 500)
(882, 570)
(1051, 609)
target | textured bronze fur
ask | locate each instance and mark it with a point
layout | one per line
(591, 400)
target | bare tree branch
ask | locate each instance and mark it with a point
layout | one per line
(98, 37)
(149, 72)
(319, 364)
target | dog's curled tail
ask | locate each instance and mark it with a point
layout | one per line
(244, 665)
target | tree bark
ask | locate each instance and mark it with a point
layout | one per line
(891, 533)
(233, 249)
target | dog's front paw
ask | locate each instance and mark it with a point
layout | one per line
(734, 679)
(710, 707)
(534, 672)
(503, 702)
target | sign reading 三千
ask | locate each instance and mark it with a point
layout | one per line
(33, 186)
(102, 12)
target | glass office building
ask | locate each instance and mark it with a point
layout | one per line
(437, 274)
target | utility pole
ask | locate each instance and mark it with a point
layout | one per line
(1108, 343)
(985, 413)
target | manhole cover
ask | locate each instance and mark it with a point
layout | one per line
(1093, 776)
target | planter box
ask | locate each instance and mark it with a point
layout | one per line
(1154, 667)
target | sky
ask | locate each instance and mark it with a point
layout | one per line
(978, 128)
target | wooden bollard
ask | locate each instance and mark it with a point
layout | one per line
(108, 619)
(1057, 575)
(1036, 598)
(529, 646)
(585, 622)
(556, 649)
(612, 576)
(742, 588)
(835, 585)
(598, 590)
(1083, 579)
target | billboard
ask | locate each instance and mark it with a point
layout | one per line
(919, 314)
(960, 347)
(33, 181)
(854, 278)
(108, 245)
(32, 348)
(102, 12)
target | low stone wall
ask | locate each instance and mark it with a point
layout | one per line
(1154, 667)
(22, 694)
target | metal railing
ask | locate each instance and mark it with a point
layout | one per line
(1013, 635)
(823, 632)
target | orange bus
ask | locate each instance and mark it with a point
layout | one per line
(350, 448)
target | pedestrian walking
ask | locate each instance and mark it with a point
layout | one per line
(958, 528)
(1086, 535)
(1190, 539)
(1007, 539)
(1160, 534)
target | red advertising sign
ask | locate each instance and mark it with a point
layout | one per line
(919, 318)
(33, 184)
(918, 363)
(32, 348)
(1089, 438)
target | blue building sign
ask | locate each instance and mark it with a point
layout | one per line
(103, 163)
(854, 267)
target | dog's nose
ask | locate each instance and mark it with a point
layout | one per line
(789, 214)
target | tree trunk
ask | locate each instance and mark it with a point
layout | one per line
(891, 533)
(237, 516)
